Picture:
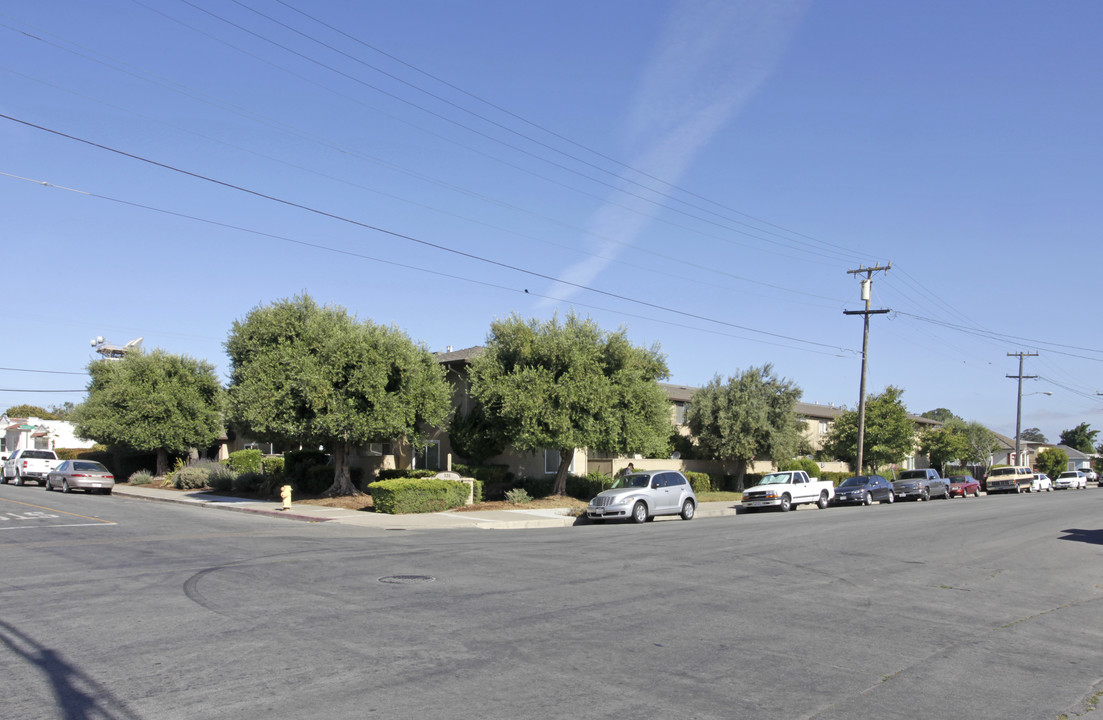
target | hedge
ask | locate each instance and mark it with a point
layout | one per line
(245, 461)
(394, 474)
(417, 495)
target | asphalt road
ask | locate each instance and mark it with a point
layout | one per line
(979, 608)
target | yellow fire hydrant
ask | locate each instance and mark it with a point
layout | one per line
(285, 493)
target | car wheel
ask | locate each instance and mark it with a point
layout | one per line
(688, 509)
(822, 502)
(925, 495)
(18, 479)
(65, 486)
(786, 503)
(639, 513)
(867, 500)
(891, 498)
(46, 484)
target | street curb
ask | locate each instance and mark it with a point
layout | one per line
(214, 505)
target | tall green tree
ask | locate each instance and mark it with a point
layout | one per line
(942, 415)
(318, 376)
(1033, 435)
(153, 402)
(944, 444)
(1053, 461)
(981, 443)
(1081, 437)
(29, 411)
(750, 416)
(889, 436)
(565, 385)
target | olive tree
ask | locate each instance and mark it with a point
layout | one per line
(750, 416)
(889, 435)
(155, 402)
(320, 377)
(566, 385)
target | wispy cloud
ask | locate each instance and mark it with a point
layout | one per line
(712, 57)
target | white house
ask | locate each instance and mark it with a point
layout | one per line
(38, 434)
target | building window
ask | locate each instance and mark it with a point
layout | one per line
(428, 458)
(825, 427)
(680, 410)
(377, 449)
(551, 462)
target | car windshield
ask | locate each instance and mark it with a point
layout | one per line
(1068, 474)
(855, 481)
(635, 481)
(39, 454)
(775, 479)
(89, 466)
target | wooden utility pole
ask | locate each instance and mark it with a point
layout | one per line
(867, 283)
(1019, 404)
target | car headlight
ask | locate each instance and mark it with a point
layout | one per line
(624, 500)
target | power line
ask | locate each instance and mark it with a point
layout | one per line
(50, 372)
(384, 231)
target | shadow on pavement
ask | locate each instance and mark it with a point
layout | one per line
(78, 696)
(1087, 536)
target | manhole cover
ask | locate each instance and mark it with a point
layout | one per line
(407, 579)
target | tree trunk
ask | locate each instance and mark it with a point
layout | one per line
(342, 478)
(566, 457)
(740, 473)
(162, 462)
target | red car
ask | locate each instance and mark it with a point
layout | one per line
(964, 485)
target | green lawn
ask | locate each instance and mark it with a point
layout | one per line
(720, 497)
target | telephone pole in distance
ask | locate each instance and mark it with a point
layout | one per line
(1019, 405)
(867, 283)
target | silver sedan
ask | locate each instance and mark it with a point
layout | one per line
(86, 475)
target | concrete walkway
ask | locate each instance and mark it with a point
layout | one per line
(483, 520)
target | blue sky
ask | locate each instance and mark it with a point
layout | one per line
(703, 173)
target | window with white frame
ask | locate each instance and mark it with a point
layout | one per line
(825, 427)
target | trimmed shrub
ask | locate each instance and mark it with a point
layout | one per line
(141, 477)
(272, 465)
(838, 477)
(246, 461)
(701, 482)
(417, 495)
(397, 473)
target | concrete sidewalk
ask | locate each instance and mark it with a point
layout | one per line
(450, 520)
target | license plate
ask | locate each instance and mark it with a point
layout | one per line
(599, 511)
(95, 484)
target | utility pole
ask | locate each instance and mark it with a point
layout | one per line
(867, 283)
(1019, 405)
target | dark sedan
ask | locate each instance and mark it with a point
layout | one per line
(864, 489)
(963, 485)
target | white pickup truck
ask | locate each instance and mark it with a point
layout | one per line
(29, 464)
(787, 488)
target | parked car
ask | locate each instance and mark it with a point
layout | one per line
(963, 485)
(864, 489)
(1090, 475)
(1009, 479)
(28, 464)
(641, 496)
(84, 475)
(921, 485)
(786, 489)
(1041, 483)
(1070, 480)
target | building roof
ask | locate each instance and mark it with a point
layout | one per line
(464, 355)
